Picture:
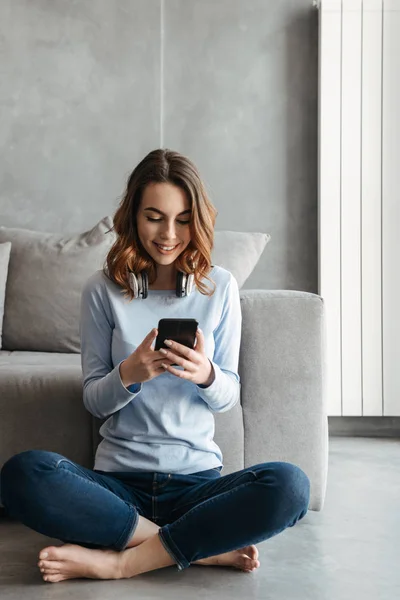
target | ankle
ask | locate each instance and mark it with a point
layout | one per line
(147, 556)
(126, 562)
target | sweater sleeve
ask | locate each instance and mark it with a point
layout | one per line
(103, 390)
(224, 391)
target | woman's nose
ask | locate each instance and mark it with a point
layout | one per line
(169, 230)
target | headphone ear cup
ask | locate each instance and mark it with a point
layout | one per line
(145, 284)
(189, 284)
(134, 284)
(140, 285)
(178, 290)
(184, 284)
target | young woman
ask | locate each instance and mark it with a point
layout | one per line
(156, 496)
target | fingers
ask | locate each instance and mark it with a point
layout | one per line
(183, 351)
(199, 340)
(149, 339)
(176, 359)
(199, 343)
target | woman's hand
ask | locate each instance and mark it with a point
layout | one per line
(143, 364)
(198, 368)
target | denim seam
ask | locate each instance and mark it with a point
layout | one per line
(82, 474)
(207, 498)
(170, 552)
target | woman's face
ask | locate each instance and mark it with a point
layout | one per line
(160, 221)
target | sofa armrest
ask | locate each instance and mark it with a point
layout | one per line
(282, 370)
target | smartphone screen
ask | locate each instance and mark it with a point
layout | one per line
(182, 331)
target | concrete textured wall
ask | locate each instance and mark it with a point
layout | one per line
(88, 87)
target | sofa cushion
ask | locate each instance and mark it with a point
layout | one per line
(20, 358)
(47, 273)
(5, 250)
(238, 252)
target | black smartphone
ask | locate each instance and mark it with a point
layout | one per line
(182, 331)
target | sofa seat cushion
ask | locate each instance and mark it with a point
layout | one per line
(41, 406)
(44, 390)
(22, 358)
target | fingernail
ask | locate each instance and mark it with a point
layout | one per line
(168, 342)
(44, 555)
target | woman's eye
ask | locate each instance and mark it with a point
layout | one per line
(158, 220)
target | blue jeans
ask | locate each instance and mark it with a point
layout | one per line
(200, 515)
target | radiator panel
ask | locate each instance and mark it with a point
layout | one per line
(359, 203)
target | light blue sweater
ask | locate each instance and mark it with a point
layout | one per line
(166, 424)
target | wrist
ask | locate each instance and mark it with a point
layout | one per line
(124, 372)
(211, 377)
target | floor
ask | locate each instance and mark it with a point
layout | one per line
(349, 550)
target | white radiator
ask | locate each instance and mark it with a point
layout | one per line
(359, 203)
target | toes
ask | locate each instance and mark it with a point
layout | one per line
(50, 571)
(250, 570)
(53, 578)
(49, 564)
(249, 564)
(252, 552)
(50, 553)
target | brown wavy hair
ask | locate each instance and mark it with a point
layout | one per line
(128, 254)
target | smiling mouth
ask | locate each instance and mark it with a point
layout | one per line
(159, 246)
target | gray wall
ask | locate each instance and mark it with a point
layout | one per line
(88, 87)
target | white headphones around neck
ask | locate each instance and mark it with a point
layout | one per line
(140, 284)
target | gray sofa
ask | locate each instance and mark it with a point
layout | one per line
(282, 413)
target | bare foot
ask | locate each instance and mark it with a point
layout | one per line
(72, 561)
(244, 559)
